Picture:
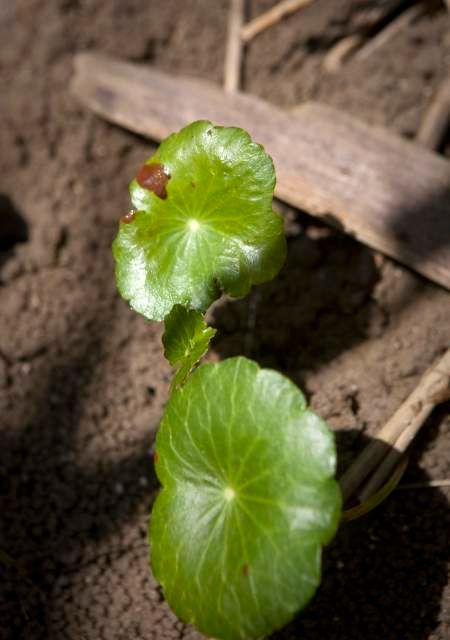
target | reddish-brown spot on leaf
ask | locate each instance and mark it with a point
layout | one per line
(154, 178)
(245, 569)
(155, 457)
(128, 217)
(193, 185)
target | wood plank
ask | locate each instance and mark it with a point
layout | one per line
(436, 119)
(389, 193)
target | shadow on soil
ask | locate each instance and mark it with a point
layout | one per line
(413, 232)
(321, 303)
(13, 227)
(317, 307)
(54, 509)
(58, 504)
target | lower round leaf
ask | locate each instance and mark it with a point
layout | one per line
(248, 500)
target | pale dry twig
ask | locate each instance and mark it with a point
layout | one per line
(398, 432)
(271, 17)
(436, 119)
(233, 57)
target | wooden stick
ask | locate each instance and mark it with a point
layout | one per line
(233, 57)
(361, 41)
(271, 17)
(342, 50)
(390, 31)
(427, 484)
(431, 131)
(398, 432)
(385, 191)
(436, 120)
(375, 12)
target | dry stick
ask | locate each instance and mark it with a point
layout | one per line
(233, 57)
(428, 484)
(363, 179)
(398, 432)
(271, 17)
(431, 131)
(342, 50)
(436, 119)
(401, 444)
(393, 28)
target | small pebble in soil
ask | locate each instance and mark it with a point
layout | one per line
(118, 488)
(26, 368)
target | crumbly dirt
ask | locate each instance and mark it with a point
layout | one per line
(83, 380)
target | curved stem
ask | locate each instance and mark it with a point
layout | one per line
(378, 497)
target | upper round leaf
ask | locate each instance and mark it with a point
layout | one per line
(248, 499)
(212, 229)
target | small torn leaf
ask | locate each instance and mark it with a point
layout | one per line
(248, 500)
(204, 223)
(186, 339)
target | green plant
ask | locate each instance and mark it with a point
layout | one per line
(247, 470)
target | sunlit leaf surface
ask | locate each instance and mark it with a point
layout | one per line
(248, 500)
(210, 230)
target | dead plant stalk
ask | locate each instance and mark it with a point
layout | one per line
(271, 17)
(398, 432)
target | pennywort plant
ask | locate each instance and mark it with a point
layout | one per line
(247, 470)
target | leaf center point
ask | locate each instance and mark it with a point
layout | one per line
(194, 225)
(229, 494)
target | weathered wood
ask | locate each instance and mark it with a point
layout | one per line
(381, 39)
(271, 17)
(436, 118)
(389, 193)
(396, 435)
(341, 51)
(370, 20)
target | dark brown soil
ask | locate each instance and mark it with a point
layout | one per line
(83, 380)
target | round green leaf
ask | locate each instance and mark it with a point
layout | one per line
(248, 500)
(215, 231)
(185, 340)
